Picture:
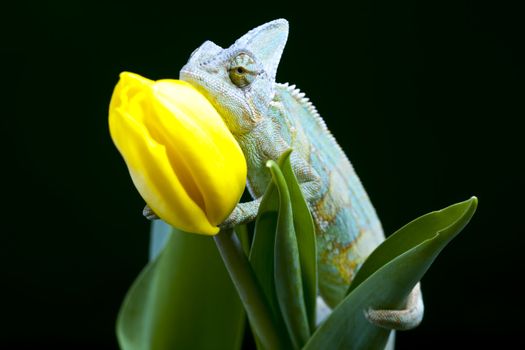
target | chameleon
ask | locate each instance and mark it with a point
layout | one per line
(268, 118)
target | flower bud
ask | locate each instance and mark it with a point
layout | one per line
(182, 158)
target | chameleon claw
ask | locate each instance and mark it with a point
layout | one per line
(149, 214)
(400, 320)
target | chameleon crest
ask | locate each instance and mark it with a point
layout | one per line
(268, 118)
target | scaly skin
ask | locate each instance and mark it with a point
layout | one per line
(267, 118)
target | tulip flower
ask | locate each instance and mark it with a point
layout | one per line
(181, 156)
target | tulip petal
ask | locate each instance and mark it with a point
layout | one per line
(181, 156)
(189, 124)
(147, 160)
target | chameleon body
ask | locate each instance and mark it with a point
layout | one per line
(347, 226)
(268, 118)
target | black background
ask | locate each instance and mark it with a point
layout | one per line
(426, 98)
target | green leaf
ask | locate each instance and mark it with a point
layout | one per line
(287, 265)
(261, 252)
(262, 257)
(160, 232)
(387, 277)
(306, 240)
(183, 299)
(244, 237)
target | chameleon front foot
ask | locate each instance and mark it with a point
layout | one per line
(405, 319)
(242, 214)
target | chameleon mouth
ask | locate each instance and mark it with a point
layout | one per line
(198, 82)
(215, 90)
(201, 83)
(191, 78)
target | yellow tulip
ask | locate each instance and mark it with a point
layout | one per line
(182, 158)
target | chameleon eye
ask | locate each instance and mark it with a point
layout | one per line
(242, 70)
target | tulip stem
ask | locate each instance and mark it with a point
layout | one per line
(247, 286)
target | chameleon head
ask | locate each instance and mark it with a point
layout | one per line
(239, 80)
